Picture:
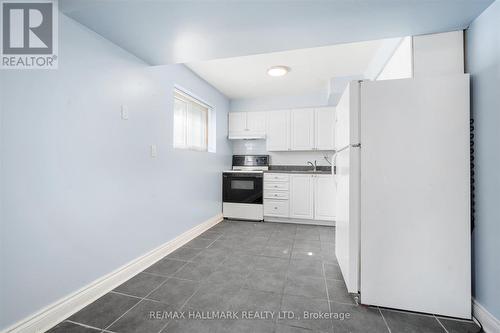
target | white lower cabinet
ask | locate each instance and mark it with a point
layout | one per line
(324, 197)
(278, 208)
(301, 196)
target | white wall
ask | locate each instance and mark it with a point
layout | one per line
(81, 195)
(400, 65)
(319, 98)
(438, 54)
(483, 63)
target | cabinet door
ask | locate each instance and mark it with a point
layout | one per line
(302, 129)
(237, 123)
(301, 196)
(324, 128)
(256, 123)
(278, 130)
(324, 197)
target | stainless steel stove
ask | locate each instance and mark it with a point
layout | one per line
(242, 187)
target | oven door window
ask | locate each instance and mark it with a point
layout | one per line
(239, 184)
(242, 189)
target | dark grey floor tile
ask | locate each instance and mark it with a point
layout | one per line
(145, 317)
(277, 252)
(328, 247)
(250, 301)
(306, 286)
(199, 243)
(306, 254)
(406, 322)
(165, 267)
(290, 329)
(357, 319)
(246, 326)
(328, 256)
(293, 329)
(222, 281)
(308, 245)
(266, 281)
(140, 285)
(222, 245)
(301, 267)
(175, 292)
(208, 300)
(195, 271)
(332, 271)
(210, 234)
(67, 327)
(307, 235)
(241, 263)
(211, 256)
(270, 264)
(459, 326)
(337, 292)
(105, 310)
(280, 242)
(192, 326)
(327, 238)
(299, 305)
(184, 253)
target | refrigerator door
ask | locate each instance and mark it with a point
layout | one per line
(415, 201)
(347, 117)
(347, 216)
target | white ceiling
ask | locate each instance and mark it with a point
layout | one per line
(311, 70)
(165, 31)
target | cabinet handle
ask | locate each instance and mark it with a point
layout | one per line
(275, 207)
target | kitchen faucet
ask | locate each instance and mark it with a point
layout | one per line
(312, 164)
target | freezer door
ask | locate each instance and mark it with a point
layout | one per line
(347, 218)
(347, 117)
(415, 230)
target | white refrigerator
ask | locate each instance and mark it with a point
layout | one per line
(403, 193)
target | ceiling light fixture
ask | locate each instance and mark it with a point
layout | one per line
(278, 70)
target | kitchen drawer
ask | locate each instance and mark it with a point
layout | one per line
(276, 195)
(276, 208)
(276, 177)
(276, 186)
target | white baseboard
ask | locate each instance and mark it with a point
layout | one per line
(65, 307)
(488, 321)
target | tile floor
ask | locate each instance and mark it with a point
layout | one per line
(254, 268)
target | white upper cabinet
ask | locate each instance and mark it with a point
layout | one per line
(302, 129)
(237, 123)
(247, 125)
(324, 197)
(256, 123)
(301, 196)
(278, 130)
(324, 121)
(298, 129)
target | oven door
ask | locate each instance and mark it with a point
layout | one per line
(242, 188)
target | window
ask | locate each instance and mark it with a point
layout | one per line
(191, 122)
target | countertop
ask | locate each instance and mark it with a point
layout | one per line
(308, 172)
(321, 170)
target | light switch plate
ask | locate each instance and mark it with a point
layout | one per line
(124, 112)
(154, 151)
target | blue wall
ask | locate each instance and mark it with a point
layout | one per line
(483, 63)
(80, 194)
